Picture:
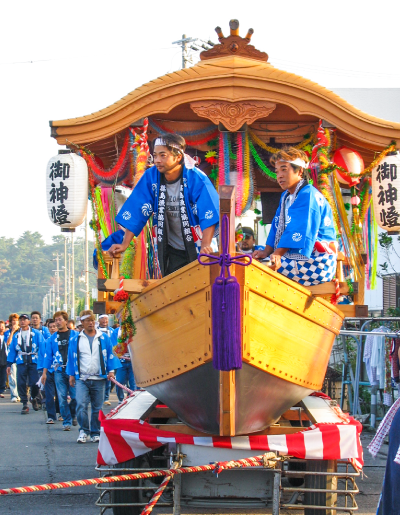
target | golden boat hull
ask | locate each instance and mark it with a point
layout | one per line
(287, 337)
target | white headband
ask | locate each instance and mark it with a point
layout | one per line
(297, 161)
(190, 163)
(85, 317)
(103, 315)
(162, 143)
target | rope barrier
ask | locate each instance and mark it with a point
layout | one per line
(131, 392)
(268, 460)
(158, 493)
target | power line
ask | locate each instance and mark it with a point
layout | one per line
(187, 44)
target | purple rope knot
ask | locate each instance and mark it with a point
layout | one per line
(225, 260)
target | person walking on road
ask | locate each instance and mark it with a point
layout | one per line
(104, 328)
(90, 362)
(71, 324)
(51, 325)
(125, 373)
(27, 351)
(55, 376)
(13, 324)
(36, 323)
(3, 359)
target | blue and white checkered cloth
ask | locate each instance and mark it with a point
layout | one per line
(320, 268)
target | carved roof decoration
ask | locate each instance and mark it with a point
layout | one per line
(233, 115)
(234, 45)
(230, 79)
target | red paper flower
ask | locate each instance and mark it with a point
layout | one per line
(121, 296)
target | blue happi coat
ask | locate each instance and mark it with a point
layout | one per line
(45, 332)
(309, 224)
(111, 362)
(38, 349)
(201, 200)
(52, 358)
(107, 330)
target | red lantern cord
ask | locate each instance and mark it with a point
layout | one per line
(195, 143)
(116, 168)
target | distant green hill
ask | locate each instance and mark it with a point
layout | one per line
(26, 271)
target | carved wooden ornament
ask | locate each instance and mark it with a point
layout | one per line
(233, 114)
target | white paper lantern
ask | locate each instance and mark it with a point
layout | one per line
(386, 193)
(67, 190)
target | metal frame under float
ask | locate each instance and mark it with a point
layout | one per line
(314, 486)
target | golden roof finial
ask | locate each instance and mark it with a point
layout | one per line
(234, 45)
(234, 26)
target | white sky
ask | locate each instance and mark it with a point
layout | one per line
(87, 54)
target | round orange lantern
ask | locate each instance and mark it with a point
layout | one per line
(352, 162)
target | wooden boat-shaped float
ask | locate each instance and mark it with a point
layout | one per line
(287, 336)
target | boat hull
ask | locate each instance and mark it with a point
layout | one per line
(287, 336)
(260, 398)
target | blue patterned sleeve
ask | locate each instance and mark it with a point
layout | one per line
(112, 361)
(70, 368)
(42, 350)
(140, 205)
(12, 353)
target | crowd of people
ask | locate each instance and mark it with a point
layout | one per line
(61, 367)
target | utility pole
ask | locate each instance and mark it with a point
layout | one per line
(57, 271)
(72, 277)
(51, 302)
(184, 51)
(65, 275)
(195, 44)
(87, 294)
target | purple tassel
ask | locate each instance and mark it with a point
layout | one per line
(225, 300)
(226, 327)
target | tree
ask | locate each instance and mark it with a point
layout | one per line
(26, 271)
(389, 251)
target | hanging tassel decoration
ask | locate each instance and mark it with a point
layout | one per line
(221, 160)
(239, 167)
(225, 306)
(226, 168)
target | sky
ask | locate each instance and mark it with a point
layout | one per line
(62, 60)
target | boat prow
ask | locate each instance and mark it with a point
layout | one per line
(287, 336)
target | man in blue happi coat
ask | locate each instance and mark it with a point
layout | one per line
(54, 375)
(27, 351)
(90, 362)
(124, 374)
(36, 323)
(302, 241)
(13, 325)
(104, 328)
(184, 204)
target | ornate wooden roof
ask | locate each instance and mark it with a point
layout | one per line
(228, 76)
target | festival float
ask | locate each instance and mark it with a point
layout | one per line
(235, 110)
